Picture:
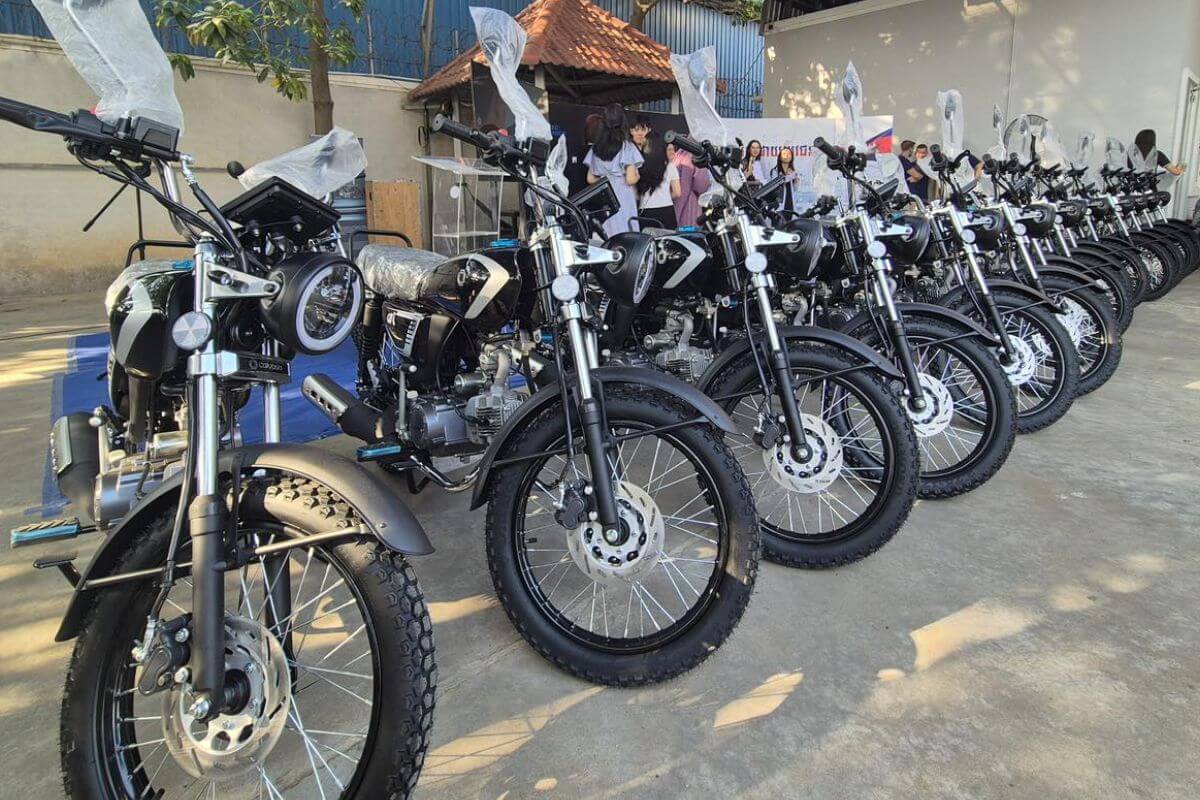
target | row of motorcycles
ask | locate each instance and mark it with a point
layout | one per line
(642, 416)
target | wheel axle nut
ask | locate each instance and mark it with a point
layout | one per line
(183, 675)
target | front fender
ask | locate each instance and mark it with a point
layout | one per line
(1083, 276)
(942, 313)
(801, 334)
(957, 297)
(372, 500)
(636, 376)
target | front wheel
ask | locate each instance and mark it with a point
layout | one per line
(658, 599)
(1093, 330)
(969, 421)
(854, 492)
(332, 696)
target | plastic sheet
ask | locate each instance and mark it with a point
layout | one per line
(1114, 153)
(502, 40)
(1050, 148)
(397, 273)
(1019, 139)
(998, 151)
(849, 100)
(318, 168)
(696, 74)
(110, 44)
(1085, 147)
(556, 166)
(953, 116)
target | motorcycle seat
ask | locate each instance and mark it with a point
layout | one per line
(397, 272)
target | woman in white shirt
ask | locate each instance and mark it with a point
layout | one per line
(754, 169)
(658, 184)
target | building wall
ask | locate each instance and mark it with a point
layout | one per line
(46, 197)
(1107, 66)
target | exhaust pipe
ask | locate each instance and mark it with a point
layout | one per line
(352, 416)
(75, 458)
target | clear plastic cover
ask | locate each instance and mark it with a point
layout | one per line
(998, 151)
(502, 40)
(953, 116)
(556, 166)
(1085, 147)
(1050, 148)
(319, 168)
(1114, 153)
(110, 44)
(696, 74)
(1019, 139)
(849, 100)
(397, 272)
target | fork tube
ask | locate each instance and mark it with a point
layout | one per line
(272, 421)
(206, 517)
(989, 302)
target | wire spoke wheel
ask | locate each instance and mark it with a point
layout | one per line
(312, 660)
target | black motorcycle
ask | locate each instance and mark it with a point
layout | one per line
(831, 456)
(250, 617)
(953, 390)
(621, 535)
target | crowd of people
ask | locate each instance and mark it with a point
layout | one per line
(659, 186)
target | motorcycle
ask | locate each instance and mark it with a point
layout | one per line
(240, 594)
(621, 536)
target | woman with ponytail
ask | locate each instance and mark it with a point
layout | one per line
(615, 157)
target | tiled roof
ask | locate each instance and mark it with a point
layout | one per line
(574, 34)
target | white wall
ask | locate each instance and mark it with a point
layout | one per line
(1108, 66)
(46, 197)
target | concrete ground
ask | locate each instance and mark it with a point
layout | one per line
(1037, 638)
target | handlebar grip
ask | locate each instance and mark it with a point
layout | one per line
(937, 157)
(465, 133)
(831, 151)
(684, 143)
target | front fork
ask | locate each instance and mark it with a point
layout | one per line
(1008, 350)
(780, 365)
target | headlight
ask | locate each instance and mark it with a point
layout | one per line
(318, 304)
(628, 280)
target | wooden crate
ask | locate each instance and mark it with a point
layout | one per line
(394, 206)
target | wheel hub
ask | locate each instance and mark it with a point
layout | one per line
(1076, 320)
(635, 554)
(818, 471)
(1022, 365)
(939, 407)
(234, 743)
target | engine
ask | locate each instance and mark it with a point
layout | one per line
(467, 418)
(673, 350)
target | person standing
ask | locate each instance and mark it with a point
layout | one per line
(753, 168)
(1146, 142)
(639, 131)
(658, 185)
(693, 182)
(785, 165)
(918, 181)
(615, 157)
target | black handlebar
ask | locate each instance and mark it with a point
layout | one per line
(831, 151)
(937, 157)
(684, 143)
(136, 138)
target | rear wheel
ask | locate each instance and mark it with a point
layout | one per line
(855, 491)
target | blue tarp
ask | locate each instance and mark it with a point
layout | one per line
(83, 386)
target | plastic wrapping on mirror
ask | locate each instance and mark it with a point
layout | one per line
(111, 46)
(696, 74)
(953, 117)
(998, 151)
(1085, 147)
(849, 100)
(1019, 139)
(502, 40)
(1050, 147)
(318, 168)
(556, 166)
(1114, 153)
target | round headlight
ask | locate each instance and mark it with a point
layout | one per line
(319, 302)
(629, 279)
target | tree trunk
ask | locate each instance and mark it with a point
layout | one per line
(318, 63)
(637, 17)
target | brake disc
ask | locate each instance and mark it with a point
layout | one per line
(939, 407)
(819, 471)
(236, 743)
(1022, 367)
(625, 562)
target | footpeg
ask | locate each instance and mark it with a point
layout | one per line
(64, 563)
(49, 530)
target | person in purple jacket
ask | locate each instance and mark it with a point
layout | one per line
(693, 182)
(615, 157)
